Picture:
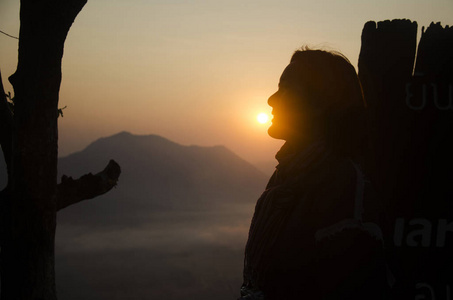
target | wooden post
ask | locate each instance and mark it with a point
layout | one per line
(411, 161)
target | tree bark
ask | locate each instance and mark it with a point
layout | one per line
(28, 137)
(89, 186)
(6, 127)
(28, 244)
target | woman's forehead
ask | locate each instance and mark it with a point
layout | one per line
(293, 72)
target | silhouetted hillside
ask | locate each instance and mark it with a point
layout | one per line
(174, 228)
(160, 175)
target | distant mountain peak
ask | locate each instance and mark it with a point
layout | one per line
(127, 134)
(122, 133)
(127, 137)
(125, 145)
(160, 174)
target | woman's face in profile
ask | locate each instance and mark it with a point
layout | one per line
(289, 110)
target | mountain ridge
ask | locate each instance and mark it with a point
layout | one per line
(161, 175)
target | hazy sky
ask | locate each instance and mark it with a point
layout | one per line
(196, 72)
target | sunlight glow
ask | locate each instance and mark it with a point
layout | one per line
(262, 118)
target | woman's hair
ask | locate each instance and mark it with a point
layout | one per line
(331, 85)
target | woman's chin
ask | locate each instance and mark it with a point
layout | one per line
(276, 133)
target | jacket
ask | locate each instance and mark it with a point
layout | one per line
(315, 232)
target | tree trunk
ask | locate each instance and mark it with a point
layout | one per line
(28, 244)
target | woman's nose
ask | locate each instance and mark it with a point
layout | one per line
(272, 101)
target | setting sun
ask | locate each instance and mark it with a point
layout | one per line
(262, 118)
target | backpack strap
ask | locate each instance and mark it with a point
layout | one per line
(359, 190)
(356, 221)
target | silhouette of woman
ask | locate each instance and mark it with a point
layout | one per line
(314, 233)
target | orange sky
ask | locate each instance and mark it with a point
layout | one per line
(196, 72)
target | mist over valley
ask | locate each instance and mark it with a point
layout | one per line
(175, 227)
